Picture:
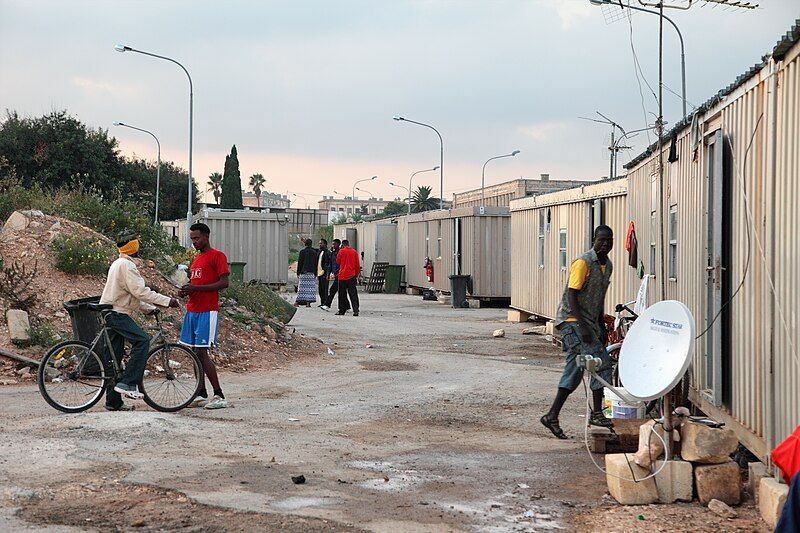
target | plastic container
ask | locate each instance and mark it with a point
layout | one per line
(459, 286)
(85, 324)
(237, 271)
(616, 407)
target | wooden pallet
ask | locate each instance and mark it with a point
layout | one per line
(377, 277)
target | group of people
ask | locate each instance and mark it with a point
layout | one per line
(328, 272)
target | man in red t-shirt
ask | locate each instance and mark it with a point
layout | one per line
(208, 275)
(349, 267)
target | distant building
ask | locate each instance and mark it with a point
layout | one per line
(349, 205)
(268, 199)
(500, 195)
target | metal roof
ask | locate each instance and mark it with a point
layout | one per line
(781, 48)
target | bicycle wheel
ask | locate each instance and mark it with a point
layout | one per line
(71, 377)
(171, 378)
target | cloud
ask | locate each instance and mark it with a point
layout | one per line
(570, 11)
(95, 87)
(543, 131)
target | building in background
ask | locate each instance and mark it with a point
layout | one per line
(268, 199)
(349, 205)
(500, 195)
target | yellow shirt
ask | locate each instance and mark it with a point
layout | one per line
(578, 273)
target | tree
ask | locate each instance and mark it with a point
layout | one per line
(422, 200)
(395, 208)
(139, 179)
(257, 182)
(231, 182)
(214, 183)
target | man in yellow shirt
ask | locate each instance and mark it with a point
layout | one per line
(580, 321)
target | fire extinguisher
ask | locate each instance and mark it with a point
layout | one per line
(429, 269)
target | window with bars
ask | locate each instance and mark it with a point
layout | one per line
(562, 248)
(439, 240)
(542, 222)
(653, 228)
(673, 242)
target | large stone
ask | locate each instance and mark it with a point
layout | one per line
(755, 471)
(675, 481)
(515, 315)
(650, 446)
(718, 482)
(16, 222)
(722, 509)
(771, 498)
(498, 333)
(534, 330)
(474, 304)
(621, 484)
(550, 328)
(707, 445)
(19, 327)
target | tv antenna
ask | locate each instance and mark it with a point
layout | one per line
(613, 147)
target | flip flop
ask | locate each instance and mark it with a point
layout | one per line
(554, 428)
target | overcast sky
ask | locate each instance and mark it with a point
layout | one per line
(307, 89)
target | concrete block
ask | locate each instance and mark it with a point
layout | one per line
(755, 471)
(550, 328)
(706, 445)
(718, 482)
(413, 291)
(18, 325)
(444, 299)
(515, 315)
(771, 497)
(474, 304)
(621, 484)
(675, 482)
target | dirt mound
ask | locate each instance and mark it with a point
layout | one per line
(26, 240)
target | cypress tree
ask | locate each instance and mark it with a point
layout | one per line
(231, 182)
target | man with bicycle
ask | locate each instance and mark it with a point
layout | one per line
(126, 291)
(580, 320)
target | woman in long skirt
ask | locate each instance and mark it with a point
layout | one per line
(307, 274)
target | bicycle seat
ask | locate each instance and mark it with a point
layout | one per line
(100, 307)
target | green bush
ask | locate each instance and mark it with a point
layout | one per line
(260, 300)
(41, 334)
(82, 255)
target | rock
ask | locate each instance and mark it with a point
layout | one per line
(535, 330)
(299, 480)
(18, 220)
(59, 314)
(675, 481)
(621, 484)
(755, 471)
(499, 333)
(23, 372)
(179, 278)
(19, 325)
(550, 328)
(718, 482)
(772, 496)
(722, 509)
(650, 446)
(707, 445)
(270, 333)
(56, 226)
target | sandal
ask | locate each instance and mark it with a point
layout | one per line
(554, 428)
(597, 418)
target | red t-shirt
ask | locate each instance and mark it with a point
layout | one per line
(207, 268)
(348, 261)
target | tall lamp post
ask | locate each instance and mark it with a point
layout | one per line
(680, 38)
(353, 197)
(362, 190)
(441, 155)
(123, 48)
(158, 167)
(408, 192)
(412, 179)
(303, 197)
(483, 174)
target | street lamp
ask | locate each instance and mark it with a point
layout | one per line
(123, 48)
(411, 179)
(158, 167)
(362, 190)
(441, 155)
(303, 197)
(680, 38)
(483, 173)
(408, 192)
(353, 197)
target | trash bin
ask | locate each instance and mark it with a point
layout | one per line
(394, 274)
(85, 323)
(459, 285)
(237, 271)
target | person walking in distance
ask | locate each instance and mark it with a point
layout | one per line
(349, 267)
(580, 320)
(209, 274)
(323, 271)
(307, 276)
(335, 245)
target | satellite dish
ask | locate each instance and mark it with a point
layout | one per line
(657, 350)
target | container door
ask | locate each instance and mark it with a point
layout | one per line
(457, 246)
(352, 236)
(717, 286)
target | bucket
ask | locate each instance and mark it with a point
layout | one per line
(616, 407)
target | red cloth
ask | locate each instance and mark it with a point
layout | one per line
(349, 263)
(207, 268)
(786, 455)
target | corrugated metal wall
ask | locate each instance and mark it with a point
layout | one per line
(538, 289)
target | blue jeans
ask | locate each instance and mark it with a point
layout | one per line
(789, 521)
(574, 346)
(123, 328)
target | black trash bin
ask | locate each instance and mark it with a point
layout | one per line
(459, 286)
(85, 323)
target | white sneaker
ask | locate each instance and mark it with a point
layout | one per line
(324, 307)
(217, 403)
(198, 402)
(128, 391)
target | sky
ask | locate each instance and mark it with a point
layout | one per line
(306, 90)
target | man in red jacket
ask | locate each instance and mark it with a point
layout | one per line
(349, 267)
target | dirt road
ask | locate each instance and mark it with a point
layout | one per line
(420, 421)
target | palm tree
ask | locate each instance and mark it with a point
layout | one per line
(422, 200)
(215, 185)
(257, 182)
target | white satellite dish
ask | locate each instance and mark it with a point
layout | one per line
(657, 350)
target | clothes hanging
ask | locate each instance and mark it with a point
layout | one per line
(632, 246)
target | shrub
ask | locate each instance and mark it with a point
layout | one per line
(260, 300)
(15, 285)
(41, 334)
(82, 255)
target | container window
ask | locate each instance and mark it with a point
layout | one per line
(652, 243)
(673, 242)
(427, 239)
(439, 240)
(562, 248)
(542, 223)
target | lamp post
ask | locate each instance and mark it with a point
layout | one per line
(408, 192)
(680, 38)
(411, 179)
(362, 190)
(353, 197)
(441, 155)
(483, 174)
(123, 48)
(303, 197)
(158, 167)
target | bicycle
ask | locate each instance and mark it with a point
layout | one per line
(73, 376)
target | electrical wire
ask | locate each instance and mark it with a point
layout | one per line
(637, 68)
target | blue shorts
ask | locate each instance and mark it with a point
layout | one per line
(200, 329)
(574, 346)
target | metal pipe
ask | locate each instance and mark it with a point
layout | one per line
(158, 167)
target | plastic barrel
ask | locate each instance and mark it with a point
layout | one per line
(458, 290)
(394, 273)
(237, 272)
